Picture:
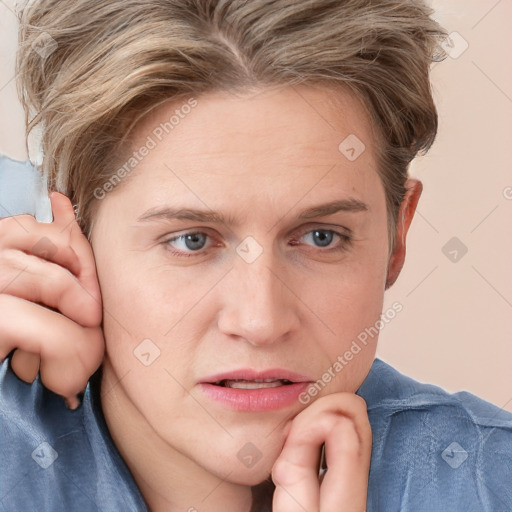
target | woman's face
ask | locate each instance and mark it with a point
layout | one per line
(275, 285)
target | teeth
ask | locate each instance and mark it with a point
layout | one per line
(253, 384)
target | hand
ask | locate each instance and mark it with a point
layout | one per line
(341, 421)
(50, 301)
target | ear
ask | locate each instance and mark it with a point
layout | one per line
(406, 213)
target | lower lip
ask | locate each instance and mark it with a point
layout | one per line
(255, 400)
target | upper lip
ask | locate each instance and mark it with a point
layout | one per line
(250, 374)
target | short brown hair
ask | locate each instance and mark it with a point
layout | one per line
(114, 60)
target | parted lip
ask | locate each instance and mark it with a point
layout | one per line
(251, 374)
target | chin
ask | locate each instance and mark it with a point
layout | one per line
(250, 477)
(247, 460)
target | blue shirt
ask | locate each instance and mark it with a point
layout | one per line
(432, 451)
(22, 190)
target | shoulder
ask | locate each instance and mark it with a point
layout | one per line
(56, 459)
(37, 431)
(439, 450)
(390, 392)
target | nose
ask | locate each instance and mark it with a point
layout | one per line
(259, 305)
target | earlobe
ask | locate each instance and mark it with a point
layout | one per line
(405, 215)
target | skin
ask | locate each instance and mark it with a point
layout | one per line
(261, 158)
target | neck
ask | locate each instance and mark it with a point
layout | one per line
(167, 478)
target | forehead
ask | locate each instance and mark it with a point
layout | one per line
(284, 142)
(309, 121)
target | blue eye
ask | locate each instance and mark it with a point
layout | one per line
(323, 237)
(191, 241)
(194, 242)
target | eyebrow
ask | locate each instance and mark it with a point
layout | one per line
(350, 205)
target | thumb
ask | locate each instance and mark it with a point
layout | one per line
(63, 213)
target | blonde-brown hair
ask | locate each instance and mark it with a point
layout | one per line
(103, 64)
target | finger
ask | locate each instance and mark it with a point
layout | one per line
(62, 209)
(346, 404)
(72, 402)
(346, 480)
(65, 217)
(69, 353)
(295, 471)
(68, 380)
(25, 365)
(41, 240)
(61, 243)
(30, 278)
(297, 486)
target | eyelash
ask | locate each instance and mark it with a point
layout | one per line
(345, 242)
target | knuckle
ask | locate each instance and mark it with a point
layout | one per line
(90, 308)
(47, 285)
(10, 258)
(360, 402)
(57, 279)
(9, 271)
(305, 431)
(352, 403)
(285, 473)
(16, 223)
(93, 348)
(343, 423)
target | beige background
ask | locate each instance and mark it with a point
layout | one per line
(455, 329)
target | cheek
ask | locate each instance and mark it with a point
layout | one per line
(352, 314)
(149, 313)
(143, 301)
(135, 296)
(128, 305)
(350, 295)
(349, 304)
(136, 326)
